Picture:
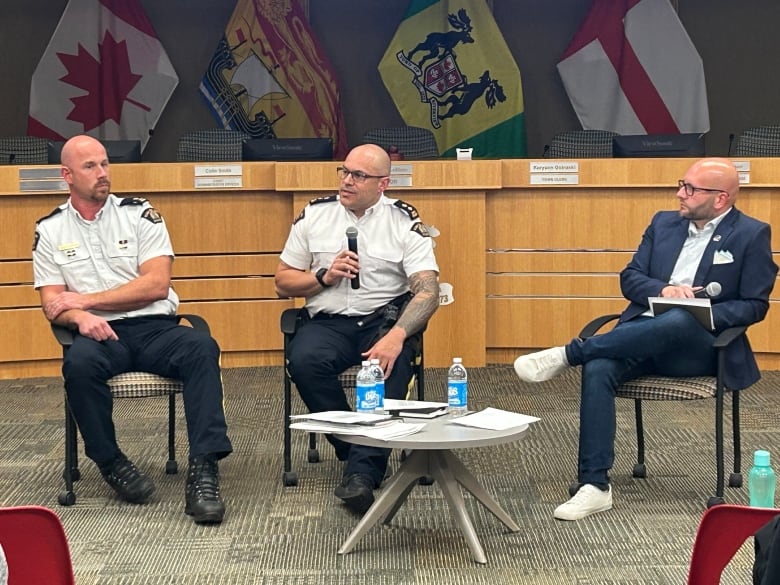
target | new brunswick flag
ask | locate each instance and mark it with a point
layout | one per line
(270, 79)
(448, 69)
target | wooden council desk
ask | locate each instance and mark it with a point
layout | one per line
(529, 263)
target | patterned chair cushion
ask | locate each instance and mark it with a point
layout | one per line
(23, 150)
(759, 141)
(582, 144)
(210, 145)
(663, 388)
(142, 385)
(413, 143)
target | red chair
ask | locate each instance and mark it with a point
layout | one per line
(35, 547)
(722, 531)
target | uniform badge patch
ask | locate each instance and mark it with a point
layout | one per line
(152, 215)
(35, 240)
(132, 201)
(421, 229)
(407, 209)
(301, 215)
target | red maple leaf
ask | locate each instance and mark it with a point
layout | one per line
(107, 82)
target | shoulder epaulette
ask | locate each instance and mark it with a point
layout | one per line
(326, 199)
(133, 201)
(52, 214)
(407, 208)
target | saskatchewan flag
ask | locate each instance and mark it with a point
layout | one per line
(448, 69)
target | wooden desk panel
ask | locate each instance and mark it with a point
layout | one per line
(529, 264)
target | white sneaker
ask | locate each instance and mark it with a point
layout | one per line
(541, 365)
(588, 500)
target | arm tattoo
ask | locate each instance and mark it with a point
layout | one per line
(425, 288)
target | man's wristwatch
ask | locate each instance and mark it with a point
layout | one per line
(320, 276)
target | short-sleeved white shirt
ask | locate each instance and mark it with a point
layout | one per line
(392, 245)
(102, 254)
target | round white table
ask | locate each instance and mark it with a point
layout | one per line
(432, 456)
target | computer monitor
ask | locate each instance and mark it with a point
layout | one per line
(287, 149)
(118, 151)
(658, 145)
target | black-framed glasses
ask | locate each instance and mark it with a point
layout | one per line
(690, 189)
(357, 176)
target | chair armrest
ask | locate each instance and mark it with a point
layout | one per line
(288, 322)
(591, 328)
(63, 334)
(196, 321)
(726, 336)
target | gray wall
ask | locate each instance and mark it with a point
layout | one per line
(737, 41)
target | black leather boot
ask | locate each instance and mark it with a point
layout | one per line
(203, 501)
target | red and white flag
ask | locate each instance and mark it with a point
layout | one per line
(104, 73)
(632, 69)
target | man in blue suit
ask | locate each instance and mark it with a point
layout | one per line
(706, 241)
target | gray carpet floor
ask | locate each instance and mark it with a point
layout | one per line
(274, 535)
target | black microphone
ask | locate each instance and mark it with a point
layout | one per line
(731, 141)
(710, 291)
(352, 234)
(546, 150)
(11, 158)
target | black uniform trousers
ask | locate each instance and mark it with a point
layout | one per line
(321, 349)
(155, 344)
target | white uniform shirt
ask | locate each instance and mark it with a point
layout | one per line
(102, 254)
(392, 245)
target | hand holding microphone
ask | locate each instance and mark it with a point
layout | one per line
(710, 291)
(352, 234)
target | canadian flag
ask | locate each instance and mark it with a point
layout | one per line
(632, 69)
(104, 73)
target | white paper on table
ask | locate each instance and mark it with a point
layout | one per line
(494, 419)
(393, 404)
(344, 417)
(397, 428)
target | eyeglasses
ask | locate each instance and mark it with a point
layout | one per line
(690, 189)
(357, 176)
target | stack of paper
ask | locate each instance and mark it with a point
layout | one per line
(415, 408)
(495, 419)
(378, 426)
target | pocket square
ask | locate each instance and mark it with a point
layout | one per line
(723, 257)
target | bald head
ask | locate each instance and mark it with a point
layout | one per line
(75, 149)
(716, 173)
(373, 157)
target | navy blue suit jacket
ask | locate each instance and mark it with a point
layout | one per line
(746, 282)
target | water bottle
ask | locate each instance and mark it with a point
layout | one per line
(365, 389)
(379, 383)
(457, 387)
(761, 481)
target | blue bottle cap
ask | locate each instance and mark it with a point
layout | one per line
(761, 458)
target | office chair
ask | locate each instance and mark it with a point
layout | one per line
(758, 141)
(581, 144)
(210, 145)
(693, 388)
(412, 142)
(289, 322)
(125, 385)
(23, 150)
(722, 531)
(35, 546)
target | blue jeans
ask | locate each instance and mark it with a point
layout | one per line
(672, 344)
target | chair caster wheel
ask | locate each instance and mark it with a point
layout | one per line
(735, 480)
(66, 498)
(313, 456)
(171, 467)
(715, 501)
(574, 487)
(640, 471)
(289, 478)
(426, 480)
